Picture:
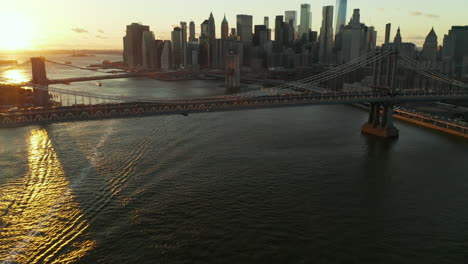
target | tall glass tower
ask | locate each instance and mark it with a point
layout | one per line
(341, 7)
(306, 20)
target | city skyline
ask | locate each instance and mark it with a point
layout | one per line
(98, 29)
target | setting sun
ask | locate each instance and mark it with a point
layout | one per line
(16, 31)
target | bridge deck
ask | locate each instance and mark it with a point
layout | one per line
(217, 104)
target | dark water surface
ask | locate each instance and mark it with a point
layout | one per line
(292, 185)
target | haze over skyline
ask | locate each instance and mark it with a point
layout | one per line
(54, 24)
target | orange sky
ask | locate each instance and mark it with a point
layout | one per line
(90, 24)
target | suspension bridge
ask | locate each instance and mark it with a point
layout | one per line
(393, 78)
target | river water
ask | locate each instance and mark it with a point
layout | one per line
(289, 185)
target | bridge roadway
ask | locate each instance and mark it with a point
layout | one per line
(26, 117)
(93, 78)
(164, 76)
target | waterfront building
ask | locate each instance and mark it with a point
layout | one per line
(158, 50)
(133, 43)
(326, 36)
(166, 56)
(192, 55)
(148, 44)
(204, 54)
(176, 37)
(233, 65)
(341, 8)
(224, 29)
(244, 28)
(306, 21)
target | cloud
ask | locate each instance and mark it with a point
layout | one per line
(100, 37)
(381, 9)
(80, 30)
(101, 31)
(431, 16)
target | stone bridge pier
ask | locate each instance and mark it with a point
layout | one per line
(380, 121)
(39, 77)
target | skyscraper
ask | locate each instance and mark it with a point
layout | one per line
(183, 27)
(341, 8)
(133, 43)
(266, 22)
(279, 33)
(398, 40)
(356, 40)
(326, 35)
(455, 51)
(244, 28)
(224, 29)
(192, 31)
(291, 15)
(288, 33)
(166, 55)
(176, 36)
(148, 44)
(429, 52)
(205, 29)
(388, 29)
(306, 20)
(212, 27)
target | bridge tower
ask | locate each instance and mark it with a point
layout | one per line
(39, 77)
(380, 122)
(232, 71)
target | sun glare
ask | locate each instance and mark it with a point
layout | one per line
(16, 32)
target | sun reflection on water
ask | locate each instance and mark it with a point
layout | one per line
(14, 76)
(40, 219)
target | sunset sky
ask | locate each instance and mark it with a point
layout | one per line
(91, 24)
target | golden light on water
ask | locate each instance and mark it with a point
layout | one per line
(16, 31)
(39, 215)
(14, 76)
